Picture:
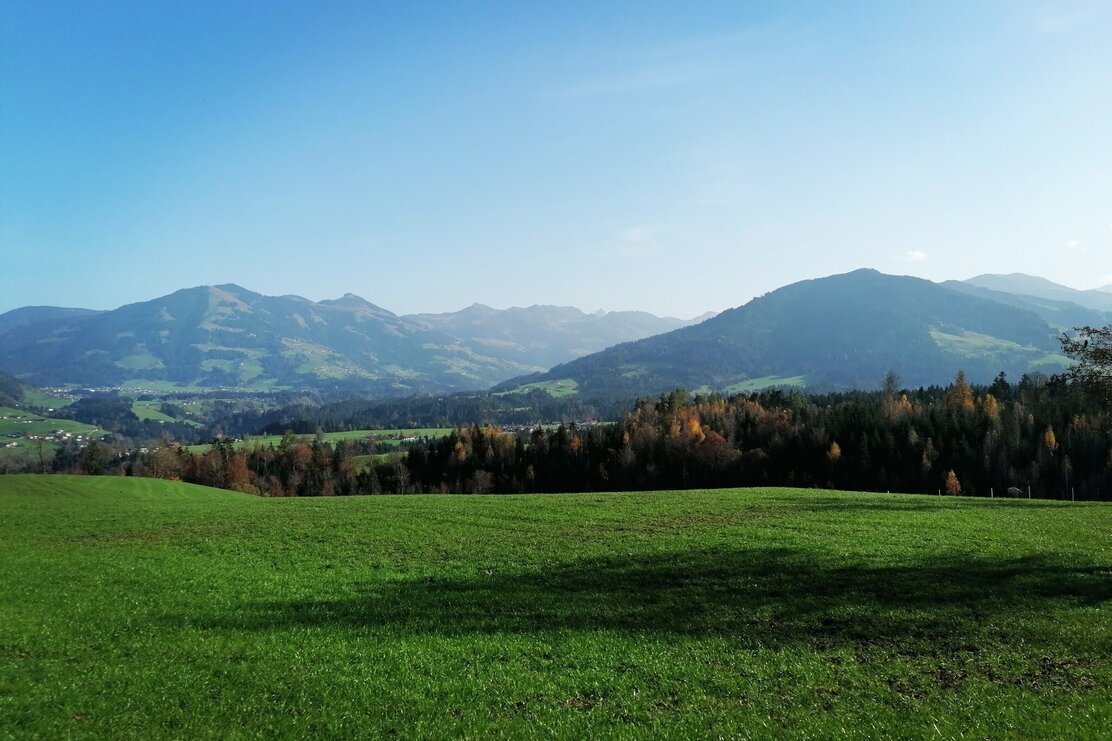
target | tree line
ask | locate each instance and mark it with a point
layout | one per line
(1042, 435)
(1048, 437)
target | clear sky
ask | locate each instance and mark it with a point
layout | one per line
(673, 157)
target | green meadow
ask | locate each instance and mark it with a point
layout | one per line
(386, 437)
(560, 389)
(137, 608)
(16, 424)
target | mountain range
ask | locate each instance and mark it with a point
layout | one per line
(544, 336)
(1097, 299)
(840, 331)
(228, 336)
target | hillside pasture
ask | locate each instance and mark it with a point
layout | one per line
(558, 389)
(18, 425)
(393, 437)
(145, 410)
(132, 608)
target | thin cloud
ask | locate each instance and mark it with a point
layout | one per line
(676, 65)
(912, 256)
(1076, 246)
(639, 241)
(641, 80)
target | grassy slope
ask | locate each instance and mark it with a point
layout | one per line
(20, 422)
(387, 437)
(131, 608)
(145, 410)
(560, 389)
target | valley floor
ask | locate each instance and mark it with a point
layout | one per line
(144, 608)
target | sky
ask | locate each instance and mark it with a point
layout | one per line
(669, 157)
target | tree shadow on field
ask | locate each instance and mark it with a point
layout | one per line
(760, 597)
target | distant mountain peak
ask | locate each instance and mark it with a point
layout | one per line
(348, 299)
(1021, 284)
(233, 288)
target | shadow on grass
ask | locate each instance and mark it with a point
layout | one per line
(759, 597)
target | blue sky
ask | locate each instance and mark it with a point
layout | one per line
(670, 157)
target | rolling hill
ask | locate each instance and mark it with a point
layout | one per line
(140, 608)
(842, 331)
(28, 315)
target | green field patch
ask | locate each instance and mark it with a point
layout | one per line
(559, 389)
(140, 361)
(765, 382)
(135, 608)
(363, 462)
(149, 385)
(317, 360)
(975, 344)
(211, 364)
(249, 370)
(38, 398)
(393, 437)
(145, 410)
(22, 431)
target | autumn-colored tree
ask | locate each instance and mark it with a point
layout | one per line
(953, 486)
(165, 463)
(237, 476)
(991, 407)
(960, 397)
(1050, 440)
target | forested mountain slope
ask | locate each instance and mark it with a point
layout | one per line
(841, 331)
(26, 315)
(229, 336)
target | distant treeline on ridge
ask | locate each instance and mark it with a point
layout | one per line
(1043, 435)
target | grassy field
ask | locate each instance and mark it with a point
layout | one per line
(560, 389)
(153, 410)
(22, 422)
(978, 345)
(363, 462)
(37, 398)
(133, 608)
(755, 384)
(386, 437)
